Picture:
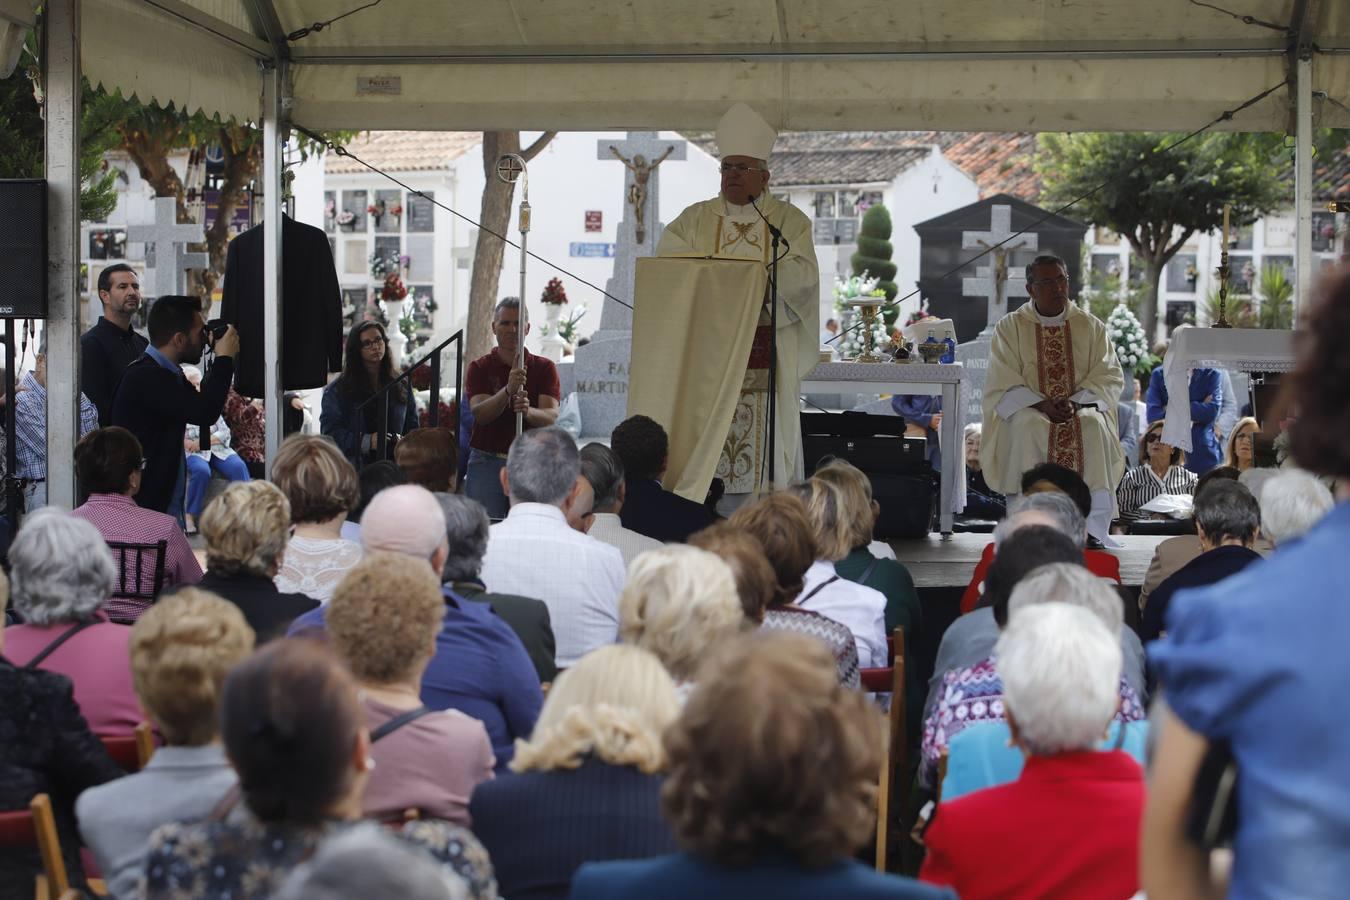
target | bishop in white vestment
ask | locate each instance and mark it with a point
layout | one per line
(1051, 394)
(729, 226)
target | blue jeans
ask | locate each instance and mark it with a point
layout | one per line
(483, 483)
(199, 476)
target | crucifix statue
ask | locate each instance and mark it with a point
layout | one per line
(637, 191)
(994, 282)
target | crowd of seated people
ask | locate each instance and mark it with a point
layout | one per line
(432, 705)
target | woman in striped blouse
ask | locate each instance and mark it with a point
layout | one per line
(1160, 471)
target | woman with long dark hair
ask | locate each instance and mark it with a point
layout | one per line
(366, 368)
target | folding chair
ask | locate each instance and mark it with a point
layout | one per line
(131, 752)
(140, 578)
(35, 827)
(893, 785)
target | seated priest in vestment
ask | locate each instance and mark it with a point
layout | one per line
(1051, 394)
(734, 225)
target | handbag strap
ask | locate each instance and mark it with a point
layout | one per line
(867, 572)
(398, 722)
(61, 639)
(818, 588)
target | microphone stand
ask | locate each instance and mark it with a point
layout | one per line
(776, 236)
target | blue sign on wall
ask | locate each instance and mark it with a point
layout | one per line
(589, 250)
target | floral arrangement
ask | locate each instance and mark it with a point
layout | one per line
(1127, 336)
(375, 209)
(554, 295)
(393, 288)
(919, 314)
(396, 211)
(567, 326)
(330, 209)
(384, 266)
(850, 320)
(346, 217)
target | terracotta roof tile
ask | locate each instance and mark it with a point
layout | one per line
(403, 151)
(999, 162)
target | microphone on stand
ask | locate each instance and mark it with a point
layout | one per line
(773, 229)
(778, 238)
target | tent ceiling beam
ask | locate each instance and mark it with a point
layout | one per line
(416, 56)
(263, 15)
(218, 30)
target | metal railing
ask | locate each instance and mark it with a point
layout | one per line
(432, 359)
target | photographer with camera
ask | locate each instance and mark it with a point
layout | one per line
(155, 402)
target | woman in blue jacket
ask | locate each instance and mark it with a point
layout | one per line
(366, 368)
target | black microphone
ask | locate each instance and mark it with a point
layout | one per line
(773, 229)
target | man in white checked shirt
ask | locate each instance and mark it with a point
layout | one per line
(534, 553)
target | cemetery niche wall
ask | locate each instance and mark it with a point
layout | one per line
(941, 251)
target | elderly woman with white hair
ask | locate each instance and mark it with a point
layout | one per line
(679, 602)
(1069, 826)
(62, 575)
(589, 779)
(982, 501)
(1292, 502)
(975, 693)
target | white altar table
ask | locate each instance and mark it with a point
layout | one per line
(945, 380)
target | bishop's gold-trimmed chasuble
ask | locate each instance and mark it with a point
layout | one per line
(721, 230)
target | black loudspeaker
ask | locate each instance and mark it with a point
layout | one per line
(23, 248)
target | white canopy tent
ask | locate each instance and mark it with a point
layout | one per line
(1024, 65)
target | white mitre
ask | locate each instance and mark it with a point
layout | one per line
(743, 132)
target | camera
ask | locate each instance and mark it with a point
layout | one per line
(215, 329)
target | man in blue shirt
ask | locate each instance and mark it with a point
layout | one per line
(30, 430)
(1206, 394)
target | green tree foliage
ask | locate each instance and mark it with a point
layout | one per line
(874, 255)
(1277, 293)
(1157, 200)
(22, 134)
(148, 133)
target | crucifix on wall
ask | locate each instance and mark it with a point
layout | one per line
(994, 282)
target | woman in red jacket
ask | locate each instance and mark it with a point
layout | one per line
(1069, 826)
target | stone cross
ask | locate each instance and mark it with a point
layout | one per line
(629, 245)
(995, 282)
(166, 257)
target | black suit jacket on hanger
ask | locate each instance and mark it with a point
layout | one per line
(311, 308)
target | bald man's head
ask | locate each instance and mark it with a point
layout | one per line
(405, 519)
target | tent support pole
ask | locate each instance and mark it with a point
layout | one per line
(1303, 182)
(274, 82)
(61, 84)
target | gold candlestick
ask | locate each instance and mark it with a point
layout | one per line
(868, 307)
(1223, 275)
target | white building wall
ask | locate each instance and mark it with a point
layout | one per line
(566, 180)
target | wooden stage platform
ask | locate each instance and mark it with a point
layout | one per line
(935, 563)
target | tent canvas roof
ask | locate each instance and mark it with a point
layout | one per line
(973, 65)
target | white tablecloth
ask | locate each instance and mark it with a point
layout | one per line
(1241, 349)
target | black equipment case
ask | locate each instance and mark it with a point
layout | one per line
(903, 482)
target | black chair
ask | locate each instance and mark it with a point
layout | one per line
(137, 566)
